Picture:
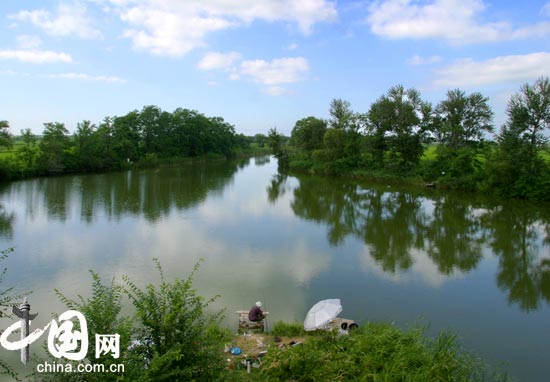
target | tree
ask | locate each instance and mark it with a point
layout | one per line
(260, 139)
(5, 137)
(517, 169)
(399, 121)
(28, 152)
(463, 119)
(87, 151)
(341, 114)
(308, 133)
(275, 142)
(54, 142)
(126, 137)
(529, 112)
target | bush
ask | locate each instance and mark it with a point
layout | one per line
(176, 336)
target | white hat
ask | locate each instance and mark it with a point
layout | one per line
(259, 304)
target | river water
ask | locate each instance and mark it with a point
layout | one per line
(435, 258)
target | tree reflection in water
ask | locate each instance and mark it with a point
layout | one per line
(453, 230)
(516, 237)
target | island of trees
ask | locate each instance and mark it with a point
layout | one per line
(402, 137)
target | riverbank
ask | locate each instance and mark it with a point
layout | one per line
(372, 352)
(474, 171)
(10, 169)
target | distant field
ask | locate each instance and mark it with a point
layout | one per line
(429, 153)
(5, 153)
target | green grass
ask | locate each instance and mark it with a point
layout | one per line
(375, 352)
(10, 152)
(429, 153)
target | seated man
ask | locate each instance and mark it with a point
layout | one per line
(256, 314)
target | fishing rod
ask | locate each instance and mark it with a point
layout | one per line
(265, 306)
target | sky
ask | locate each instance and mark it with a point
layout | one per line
(259, 64)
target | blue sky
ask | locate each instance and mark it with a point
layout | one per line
(258, 63)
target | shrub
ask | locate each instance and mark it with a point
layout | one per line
(176, 336)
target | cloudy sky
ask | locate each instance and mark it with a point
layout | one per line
(258, 63)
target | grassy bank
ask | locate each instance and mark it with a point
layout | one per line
(373, 352)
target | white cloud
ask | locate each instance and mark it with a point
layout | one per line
(88, 77)
(274, 90)
(292, 46)
(496, 70)
(165, 32)
(175, 27)
(28, 42)
(70, 20)
(278, 71)
(217, 60)
(545, 10)
(417, 60)
(454, 20)
(35, 56)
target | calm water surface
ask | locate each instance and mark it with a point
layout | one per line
(450, 261)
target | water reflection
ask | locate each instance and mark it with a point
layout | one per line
(400, 228)
(6, 220)
(148, 193)
(519, 235)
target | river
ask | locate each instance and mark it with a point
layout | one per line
(428, 257)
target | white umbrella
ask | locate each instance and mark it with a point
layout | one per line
(321, 313)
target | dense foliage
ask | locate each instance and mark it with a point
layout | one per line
(404, 137)
(140, 137)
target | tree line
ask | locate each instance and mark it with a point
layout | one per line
(140, 137)
(404, 136)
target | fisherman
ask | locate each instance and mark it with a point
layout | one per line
(256, 314)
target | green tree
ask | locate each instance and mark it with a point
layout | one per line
(399, 121)
(126, 137)
(308, 133)
(517, 169)
(260, 139)
(28, 152)
(5, 137)
(53, 146)
(340, 113)
(275, 143)
(462, 120)
(529, 111)
(87, 152)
